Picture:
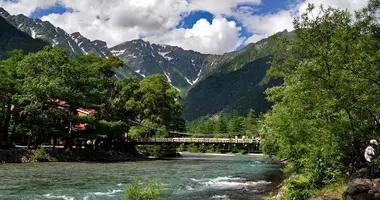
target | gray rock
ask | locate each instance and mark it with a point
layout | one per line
(362, 189)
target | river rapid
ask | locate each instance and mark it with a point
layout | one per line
(192, 176)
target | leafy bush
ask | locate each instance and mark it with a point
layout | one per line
(181, 147)
(298, 187)
(138, 190)
(193, 148)
(40, 155)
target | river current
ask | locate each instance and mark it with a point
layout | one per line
(192, 176)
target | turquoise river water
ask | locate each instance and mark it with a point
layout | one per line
(192, 176)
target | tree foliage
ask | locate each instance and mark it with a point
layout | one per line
(31, 85)
(225, 126)
(326, 111)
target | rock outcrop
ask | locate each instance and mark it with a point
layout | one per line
(362, 189)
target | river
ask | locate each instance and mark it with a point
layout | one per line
(192, 176)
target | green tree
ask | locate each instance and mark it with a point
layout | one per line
(235, 124)
(158, 106)
(221, 125)
(41, 83)
(251, 123)
(325, 111)
(8, 89)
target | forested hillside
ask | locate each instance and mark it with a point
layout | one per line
(237, 82)
(11, 38)
(239, 90)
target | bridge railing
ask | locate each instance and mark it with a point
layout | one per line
(197, 140)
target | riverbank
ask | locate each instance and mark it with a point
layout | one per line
(23, 155)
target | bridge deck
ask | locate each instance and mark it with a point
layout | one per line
(196, 140)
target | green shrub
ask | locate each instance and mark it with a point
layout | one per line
(138, 190)
(193, 148)
(181, 148)
(298, 187)
(40, 155)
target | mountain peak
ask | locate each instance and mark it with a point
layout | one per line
(100, 43)
(3, 12)
(76, 35)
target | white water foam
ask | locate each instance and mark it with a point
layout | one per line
(109, 194)
(188, 187)
(219, 197)
(255, 163)
(229, 182)
(50, 196)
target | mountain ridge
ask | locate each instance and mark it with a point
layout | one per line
(186, 70)
(11, 38)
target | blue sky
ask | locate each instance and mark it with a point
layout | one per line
(207, 26)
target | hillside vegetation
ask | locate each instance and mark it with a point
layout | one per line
(11, 38)
(327, 109)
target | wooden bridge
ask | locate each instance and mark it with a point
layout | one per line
(195, 140)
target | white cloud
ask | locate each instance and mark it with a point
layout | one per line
(117, 21)
(262, 26)
(255, 38)
(220, 7)
(218, 37)
(268, 24)
(122, 20)
(26, 6)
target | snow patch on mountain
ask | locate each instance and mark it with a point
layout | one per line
(163, 54)
(198, 76)
(167, 74)
(189, 81)
(33, 33)
(118, 52)
(168, 77)
(84, 51)
(55, 42)
(138, 71)
(176, 88)
(72, 48)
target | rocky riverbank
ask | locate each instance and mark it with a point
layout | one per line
(21, 155)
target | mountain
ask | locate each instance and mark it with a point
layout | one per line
(181, 67)
(238, 90)
(57, 37)
(208, 83)
(11, 38)
(234, 81)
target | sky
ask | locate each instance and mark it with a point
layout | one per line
(207, 26)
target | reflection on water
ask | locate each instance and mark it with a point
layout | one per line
(193, 176)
